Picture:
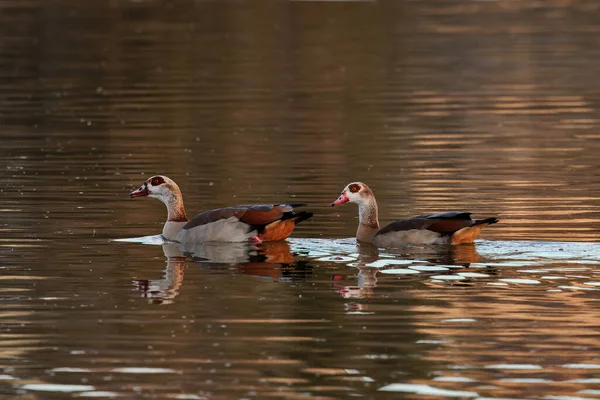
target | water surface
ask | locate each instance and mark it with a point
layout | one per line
(489, 107)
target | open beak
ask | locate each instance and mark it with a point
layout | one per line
(341, 200)
(141, 191)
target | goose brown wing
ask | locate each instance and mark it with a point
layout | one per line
(445, 223)
(208, 217)
(264, 214)
(252, 214)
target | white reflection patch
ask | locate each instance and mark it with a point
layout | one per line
(473, 275)
(433, 341)
(459, 320)
(425, 390)
(532, 271)
(49, 387)
(154, 239)
(513, 366)
(383, 263)
(404, 271)
(375, 357)
(68, 369)
(462, 367)
(141, 370)
(453, 379)
(524, 281)
(98, 394)
(316, 253)
(582, 366)
(563, 269)
(337, 259)
(428, 268)
(448, 277)
(576, 288)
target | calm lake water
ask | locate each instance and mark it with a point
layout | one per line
(483, 106)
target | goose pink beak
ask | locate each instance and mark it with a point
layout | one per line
(141, 191)
(341, 200)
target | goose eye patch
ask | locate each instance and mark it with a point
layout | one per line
(354, 188)
(157, 181)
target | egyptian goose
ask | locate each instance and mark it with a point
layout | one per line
(255, 223)
(452, 227)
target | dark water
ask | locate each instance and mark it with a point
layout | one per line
(485, 106)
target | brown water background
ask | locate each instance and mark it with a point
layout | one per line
(482, 106)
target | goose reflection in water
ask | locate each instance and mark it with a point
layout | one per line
(462, 255)
(366, 277)
(270, 259)
(163, 291)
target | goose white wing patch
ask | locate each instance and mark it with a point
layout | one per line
(223, 230)
(412, 236)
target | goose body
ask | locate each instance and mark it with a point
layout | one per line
(254, 222)
(454, 227)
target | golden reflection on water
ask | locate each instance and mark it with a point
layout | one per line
(502, 318)
(487, 107)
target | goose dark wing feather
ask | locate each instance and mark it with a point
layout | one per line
(444, 223)
(256, 215)
(208, 217)
(448, 215)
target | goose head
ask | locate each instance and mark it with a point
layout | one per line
(355, 192)
(158, 187)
